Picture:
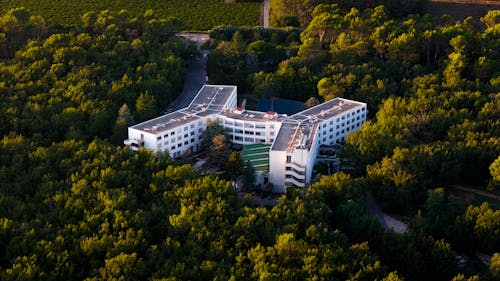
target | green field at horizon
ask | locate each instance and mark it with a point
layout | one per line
(195, 14)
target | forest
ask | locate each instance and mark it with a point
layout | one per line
(77, 205)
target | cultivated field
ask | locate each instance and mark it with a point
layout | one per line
(196, 14)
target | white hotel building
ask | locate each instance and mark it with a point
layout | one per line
(294, 140)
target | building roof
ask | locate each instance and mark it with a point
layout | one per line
(250, 115)
(210, 100)
(298, 130)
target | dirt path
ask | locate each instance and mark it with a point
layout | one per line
(476, 191)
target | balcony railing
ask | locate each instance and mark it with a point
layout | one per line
(297, 167)
(294, 182)
(299, 176)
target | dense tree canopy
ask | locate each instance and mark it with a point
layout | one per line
(71, 85)
(75, 206)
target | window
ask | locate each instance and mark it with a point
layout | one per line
(185, 135)
(172, 147)
(271, 134)
(186, 143)
(179, 138)
(179, 145)
(289, 158)
(158, 138)
(192, 140)
(191, 126)
(172, 133)
(192, 134)
(185, 128)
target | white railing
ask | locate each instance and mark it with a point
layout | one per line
(294, 182)
(295, 166)
(295, 174)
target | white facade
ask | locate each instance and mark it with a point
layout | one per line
(295, 139)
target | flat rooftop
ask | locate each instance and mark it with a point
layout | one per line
(250, 115)
(298, 130)
(209, 100)
(212, 97)
(166, 122)
(283, 139)
(326, 110)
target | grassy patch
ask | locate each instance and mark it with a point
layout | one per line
(195, 14)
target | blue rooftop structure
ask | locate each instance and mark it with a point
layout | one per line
(281, 106)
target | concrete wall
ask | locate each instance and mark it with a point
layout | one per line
(277, 160)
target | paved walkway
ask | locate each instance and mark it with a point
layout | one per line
(265, 13)
(385, 220)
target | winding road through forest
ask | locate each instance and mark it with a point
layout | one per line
(195, 74)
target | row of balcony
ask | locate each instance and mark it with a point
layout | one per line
(295, 166)
(292, 181)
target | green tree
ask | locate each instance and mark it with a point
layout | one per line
(213, 129)
(312, 101)
(248, 174)
(234, 165)
(120, 129)
(495, 265)
(219, 151)
(146, 107)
